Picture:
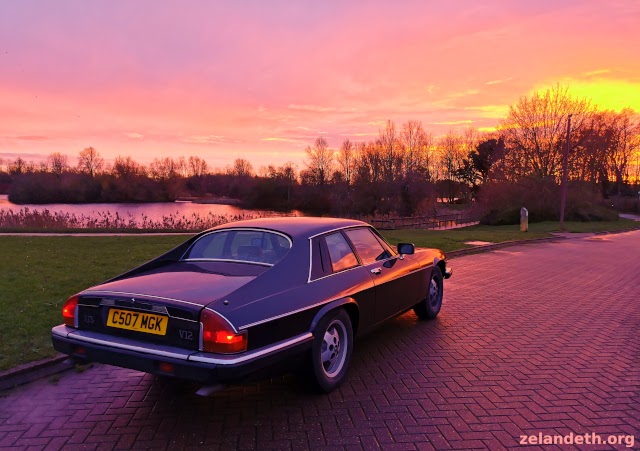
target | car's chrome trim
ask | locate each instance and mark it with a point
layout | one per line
(61, 330)
(339, 228)
(126, 293)
(310, 258)
(336, 273)
(170, 352)
(160, 309)
(233, 360)
(360, 265)
(225, 260)
(255, 229)
(124, 343)
(246, 326)
(293, 312)
(223, 317)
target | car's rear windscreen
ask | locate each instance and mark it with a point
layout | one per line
(250, 245)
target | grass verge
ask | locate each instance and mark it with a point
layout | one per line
(37, 274)
(450, 240)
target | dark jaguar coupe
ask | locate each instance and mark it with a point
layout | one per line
(245, 296)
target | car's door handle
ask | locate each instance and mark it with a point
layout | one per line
(376, 271)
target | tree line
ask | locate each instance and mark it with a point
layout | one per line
(405, 170)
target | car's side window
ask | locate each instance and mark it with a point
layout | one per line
(340, 253)
(384, 244)
(367, 245)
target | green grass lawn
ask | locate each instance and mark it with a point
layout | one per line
(37, 274)
(449, 240)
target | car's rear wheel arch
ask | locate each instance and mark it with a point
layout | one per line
(354, 315)
(442, 265)
(348, 304)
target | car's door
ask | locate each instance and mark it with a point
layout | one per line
(395, 284)
(336, 270)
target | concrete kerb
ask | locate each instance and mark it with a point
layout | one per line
(29, 372)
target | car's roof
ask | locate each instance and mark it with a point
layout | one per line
(296, 227)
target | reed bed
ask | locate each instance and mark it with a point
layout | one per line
(29, 219)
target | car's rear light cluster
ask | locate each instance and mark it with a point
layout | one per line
(69, 311)
(219, 336)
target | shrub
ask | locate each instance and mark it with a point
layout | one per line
(501, 202)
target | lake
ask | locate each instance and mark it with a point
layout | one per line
(153, 211)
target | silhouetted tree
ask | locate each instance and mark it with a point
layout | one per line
(126, 167)
(319, 162)
(535, 131)
(346, 160)
(58, 163)
(90, 162)
(241, 168)
(197, 166)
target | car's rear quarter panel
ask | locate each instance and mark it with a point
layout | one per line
(290, 312)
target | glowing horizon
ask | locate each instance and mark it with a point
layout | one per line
(262, 81)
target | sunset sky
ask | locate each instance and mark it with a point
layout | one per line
(262, 79)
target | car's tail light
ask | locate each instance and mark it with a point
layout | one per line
(69, 311)
(219, 336)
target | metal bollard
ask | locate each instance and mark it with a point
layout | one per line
(524, 220)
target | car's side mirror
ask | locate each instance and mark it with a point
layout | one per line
(406, 248)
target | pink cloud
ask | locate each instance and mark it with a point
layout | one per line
(253, 78)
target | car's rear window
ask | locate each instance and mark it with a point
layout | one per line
(255, 246)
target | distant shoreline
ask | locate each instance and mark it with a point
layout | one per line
(4, 198)
(210, 200)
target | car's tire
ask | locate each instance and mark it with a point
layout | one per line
(429, 307)
(331, 351)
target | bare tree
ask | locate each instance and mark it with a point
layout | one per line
(90, 162)
(319, 161)
(163, 168)
(451, 160)
(390, 146)
(346, 160)
(58, 163)
(197, 166)
(535, 130)
(428, 157)
(18, 166)
(625, 128)
(126, 167)
(182, 167)
(412, 138)
(241, 168)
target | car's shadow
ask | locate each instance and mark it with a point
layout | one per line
(395, 356)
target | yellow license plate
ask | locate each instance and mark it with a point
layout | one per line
(138, 321)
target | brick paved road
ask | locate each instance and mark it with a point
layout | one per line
(538, 338)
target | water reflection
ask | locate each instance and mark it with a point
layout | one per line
(153, 211)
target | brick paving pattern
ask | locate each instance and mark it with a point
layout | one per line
(539, 338)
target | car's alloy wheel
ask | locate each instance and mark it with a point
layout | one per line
(430, 306)
(331, 351)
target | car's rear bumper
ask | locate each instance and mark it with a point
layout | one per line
(448, 273)
(204, 368)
